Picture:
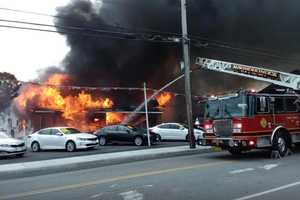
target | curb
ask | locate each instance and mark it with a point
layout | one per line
(37, 168)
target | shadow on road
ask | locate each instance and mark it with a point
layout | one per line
(251, 155)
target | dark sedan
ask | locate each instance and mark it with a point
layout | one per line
(124, 133)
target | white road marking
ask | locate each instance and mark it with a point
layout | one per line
(113, 185)
(269, 191)
(269, 166)
(132, 195)
(241, 170)
(96, 196)
(147, 186)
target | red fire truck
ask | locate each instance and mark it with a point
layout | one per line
(248, 120)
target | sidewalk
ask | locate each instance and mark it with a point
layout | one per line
(90, 161)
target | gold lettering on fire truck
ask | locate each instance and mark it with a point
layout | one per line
(255, 71)
(263, 123)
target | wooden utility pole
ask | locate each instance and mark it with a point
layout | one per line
(186, 57)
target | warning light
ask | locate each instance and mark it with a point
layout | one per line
(251, 143)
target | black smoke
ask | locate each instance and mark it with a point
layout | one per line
(268, 26)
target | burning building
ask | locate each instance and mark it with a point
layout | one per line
(55, 102)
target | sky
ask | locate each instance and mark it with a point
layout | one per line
(23, 52)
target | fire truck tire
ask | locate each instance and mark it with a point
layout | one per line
(102, 141)
(35, 147)
(235, 151)
(280, 144)
(70, 146)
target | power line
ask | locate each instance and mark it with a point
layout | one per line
(199, 41)
(94, 26)
(88, 34)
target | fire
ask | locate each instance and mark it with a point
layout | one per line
(163, 98)
(57, 79)
(74, 108)
(114, 118)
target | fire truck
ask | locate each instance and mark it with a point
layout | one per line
(247, 120)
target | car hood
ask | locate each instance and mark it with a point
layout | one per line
(10, 141)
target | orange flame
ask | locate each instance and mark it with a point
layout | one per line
(114, 118)
(74, 108)
(164, 98)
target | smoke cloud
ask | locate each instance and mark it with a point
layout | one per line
(103, 61)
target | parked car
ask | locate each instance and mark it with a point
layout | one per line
(124, 133)
(174, 131)
(66, 138)
(10, 146)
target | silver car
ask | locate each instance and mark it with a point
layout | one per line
(10, 146)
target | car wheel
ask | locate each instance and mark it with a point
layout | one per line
(35, 147)
(70, 146)
(280, 144)
(102, 141)
(138, 141)
(159, 138)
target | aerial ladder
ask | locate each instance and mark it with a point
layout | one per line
(284, 79)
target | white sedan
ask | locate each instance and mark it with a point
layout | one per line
(10, 146)
(66, 138)
(174, 131)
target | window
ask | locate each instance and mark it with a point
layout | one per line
(45, 132)
(291, 104)
(55, 131)
(164, 126)
(174, 126)
(262, 104)
(279, 105)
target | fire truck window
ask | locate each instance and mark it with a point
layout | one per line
(291, 104)
(262, 105)
(279, 105)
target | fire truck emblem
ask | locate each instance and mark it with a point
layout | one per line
(263, 123)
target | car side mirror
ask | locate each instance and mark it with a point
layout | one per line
(128, 131)
(59, 134)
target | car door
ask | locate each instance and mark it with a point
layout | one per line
(57, 139)
(125, 134)
(164, 131)
(180, 132)
(114, 133)
(175, 132)
(43, 138)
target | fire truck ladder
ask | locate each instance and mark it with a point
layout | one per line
(272, 76)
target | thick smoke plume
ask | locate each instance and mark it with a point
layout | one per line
(105, 61)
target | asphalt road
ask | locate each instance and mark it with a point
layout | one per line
(46, 155)
(202, 176)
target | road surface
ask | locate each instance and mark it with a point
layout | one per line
(46, 155)
(205, 176)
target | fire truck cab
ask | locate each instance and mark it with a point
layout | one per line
(248, 120)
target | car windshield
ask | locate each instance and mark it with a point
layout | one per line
(3, 135)
(69, 130)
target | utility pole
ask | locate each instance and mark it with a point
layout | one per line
(186, 57)
(146, 112)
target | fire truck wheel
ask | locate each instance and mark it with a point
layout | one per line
(35, 147)
(235, 151)
(70, 146)
(102, 141)
(280, 144)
